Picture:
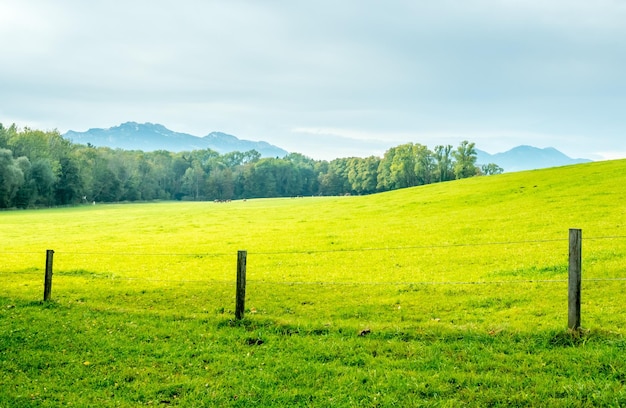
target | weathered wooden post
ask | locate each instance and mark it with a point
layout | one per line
(47, 283)
(240, 302)
(575, 278)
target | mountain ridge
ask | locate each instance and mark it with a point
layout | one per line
(525, 157)
(153, 136)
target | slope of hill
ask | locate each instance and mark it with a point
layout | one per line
(527, 158)
(152, 136)
(451, 294)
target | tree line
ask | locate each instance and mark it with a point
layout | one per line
(42, 169)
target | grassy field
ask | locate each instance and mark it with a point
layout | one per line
(442, 295)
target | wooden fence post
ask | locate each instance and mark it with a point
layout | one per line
(240, 301)
(47, 283)
(575, 278)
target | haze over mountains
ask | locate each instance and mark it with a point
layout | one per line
(151, 136)
(528, 158)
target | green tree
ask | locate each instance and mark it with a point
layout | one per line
(105, 184)
(69, 186)
(384, 179)
(424, 164)
(363, 174)
(465, 165)
(234, 159)
(168, 170)
(41, 179)
(145, 179)
(27, 193)
(194, 181)
(265, 178)
(306, 176)
(406, 165)
(7, 134)
(220, 184)
(11, 178)
(491, 169)
(335, 181)
(246, 182)
(287, 178)
(444, 170)
(403, 167)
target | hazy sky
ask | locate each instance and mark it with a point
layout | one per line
(327, 78)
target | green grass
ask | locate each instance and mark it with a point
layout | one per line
(459, 290)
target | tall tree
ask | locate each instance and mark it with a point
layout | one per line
(424, 164)
(444, 170)
(403, 167)
(384, 179)
(335, 180)
(363, 173)
(220, 184)
(27, 194)
(69, 185)
(406, 165)
(305, 173)
(194, 180)
(44, 181)
(465, 165)
(11, 178)
(105, 183)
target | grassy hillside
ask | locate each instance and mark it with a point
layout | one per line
(459, 290)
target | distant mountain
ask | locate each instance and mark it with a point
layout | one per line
(527, 158)
(152, 136)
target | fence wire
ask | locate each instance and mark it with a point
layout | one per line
(312, 252)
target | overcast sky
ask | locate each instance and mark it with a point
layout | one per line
(326, 78)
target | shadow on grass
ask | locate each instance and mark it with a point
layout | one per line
(549, 339)
(254, 324)
(583, 337)
(8, 303)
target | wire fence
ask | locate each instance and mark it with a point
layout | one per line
(351, 283)
(97, 264)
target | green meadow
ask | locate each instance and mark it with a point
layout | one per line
(442, 295)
